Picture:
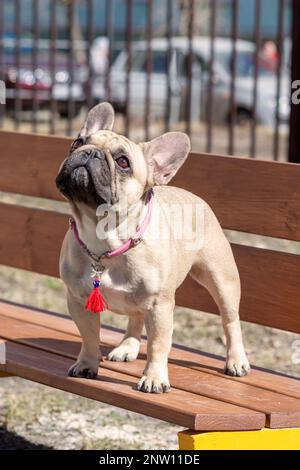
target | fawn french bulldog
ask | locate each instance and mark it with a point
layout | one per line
(139, 273)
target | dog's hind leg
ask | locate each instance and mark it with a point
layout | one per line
(129, 347)
(221, 278)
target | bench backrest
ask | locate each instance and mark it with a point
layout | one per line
(247, 195)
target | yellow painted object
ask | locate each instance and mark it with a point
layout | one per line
(264, 439)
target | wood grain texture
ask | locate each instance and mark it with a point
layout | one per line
(280, 410)
(180, 407)
(246, 195)
(270, 289)
(31, 239)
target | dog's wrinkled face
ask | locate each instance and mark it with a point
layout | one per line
(104, 167)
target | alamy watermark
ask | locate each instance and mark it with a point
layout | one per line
(2, 92)
(169, 222)
(2, 352)
(296, 93)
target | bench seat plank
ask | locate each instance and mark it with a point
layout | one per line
(180, 407)
(187, 357)
(281, 410)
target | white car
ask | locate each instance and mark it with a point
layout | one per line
(172, 80)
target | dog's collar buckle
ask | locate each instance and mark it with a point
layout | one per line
(136, 241)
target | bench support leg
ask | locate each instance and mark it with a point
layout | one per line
(264, 439)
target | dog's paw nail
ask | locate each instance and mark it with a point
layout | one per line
(71, 371)
(149, 385)
(230, 371)
(82, 372)
(140, 385)
(146, 387)
(237, 370)
(122, 354)
(90, 374)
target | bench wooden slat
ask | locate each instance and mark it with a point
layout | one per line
(251, 196)
(180, 407)
(281, 410)
(187, 357)
(246, 195)
(270, 288)
(31, 239)
(30, 163)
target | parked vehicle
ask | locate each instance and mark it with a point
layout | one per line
(171, 76)
(31, 79)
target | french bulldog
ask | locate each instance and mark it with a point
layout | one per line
(104, 169)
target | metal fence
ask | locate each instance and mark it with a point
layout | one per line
(164, 65)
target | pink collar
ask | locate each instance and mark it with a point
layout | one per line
(127, 245)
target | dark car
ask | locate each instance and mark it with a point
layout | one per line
(32, 77)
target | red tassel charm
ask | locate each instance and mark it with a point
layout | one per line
(96, 302)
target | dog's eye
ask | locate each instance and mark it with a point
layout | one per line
(123, 162)
(76, 144)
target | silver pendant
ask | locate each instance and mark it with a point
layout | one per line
(97, 270)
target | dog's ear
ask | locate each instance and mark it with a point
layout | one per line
(165, 155)
(101, 117)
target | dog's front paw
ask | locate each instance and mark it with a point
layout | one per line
(237, 365)
(154, 382)
(123, 353)
(83, 369)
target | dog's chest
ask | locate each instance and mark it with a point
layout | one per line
(124, 290)
(117, 281)
(128, 282)
(120, 291)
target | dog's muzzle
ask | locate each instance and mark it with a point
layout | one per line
(85, 177)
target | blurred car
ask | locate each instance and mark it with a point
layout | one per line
(31, 79)
(170, 77)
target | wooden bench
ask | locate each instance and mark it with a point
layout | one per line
(260, 411)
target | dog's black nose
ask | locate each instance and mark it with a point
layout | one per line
(94, 153)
